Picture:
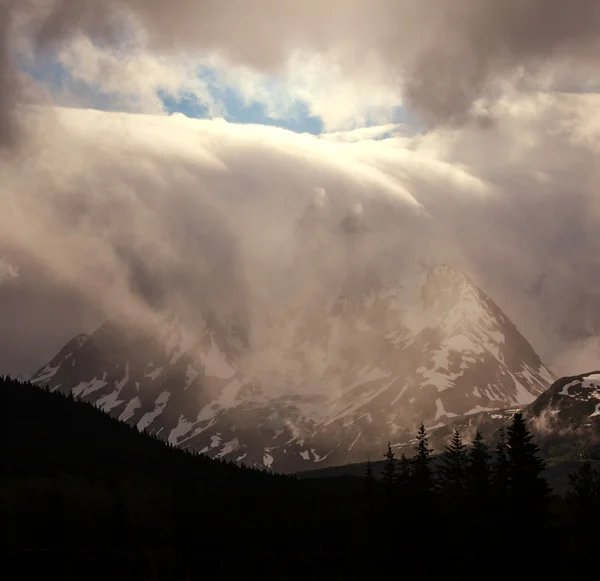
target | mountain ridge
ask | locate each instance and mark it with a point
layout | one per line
(348, 376)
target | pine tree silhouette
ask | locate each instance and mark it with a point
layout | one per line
(501, 470)
(453, 469)
(584, 501)
(422, 475)
(389, 470)
(369, 478)
(478, 469)
(369, 471)
(584, 495)
(370, 504)
(404, 474)
(527, 486)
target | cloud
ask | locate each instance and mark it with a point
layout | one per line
(8, 96)
(135, 79)
(8, 272)
(580, 354)
(445, 55)
(373, 132)
(319, 83)
(443, 60)
(131, 77)
(134, 213)
(109, 208)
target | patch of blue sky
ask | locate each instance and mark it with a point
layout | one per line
(186, 103)
(403, 116)
(64, 89)
(237, 110)
(47, 72)
(233, 106)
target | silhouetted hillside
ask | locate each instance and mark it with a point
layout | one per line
(84, 496)
(74, 480)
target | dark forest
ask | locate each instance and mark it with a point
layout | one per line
(84, 496)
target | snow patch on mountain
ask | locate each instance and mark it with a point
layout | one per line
(84, 388)
(478, 409)
(149, 417)
(183, 427)
(110, 400)
(590, 382)
(130, 408)
(440, 412)
(47, 373)
(226, 400)
(190, 376)
(229, 447)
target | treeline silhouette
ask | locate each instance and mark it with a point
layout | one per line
(85, 496)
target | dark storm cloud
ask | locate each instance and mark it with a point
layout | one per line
(476, 43)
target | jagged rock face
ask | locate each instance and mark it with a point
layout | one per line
(332, 383)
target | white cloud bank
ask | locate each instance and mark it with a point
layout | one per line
(98, 210)
(111, 207)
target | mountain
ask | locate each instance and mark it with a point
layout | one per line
(320, 384)
(570, 403)
(565, 421)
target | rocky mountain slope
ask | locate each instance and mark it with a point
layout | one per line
(571, 402)
(565, 422)
(565, 418)
(329, 384)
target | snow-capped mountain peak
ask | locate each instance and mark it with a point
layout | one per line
(323, 383)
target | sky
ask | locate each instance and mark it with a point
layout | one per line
(152, 153)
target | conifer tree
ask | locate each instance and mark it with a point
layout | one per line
(583, 499)
(404, 473)
(479, 471)
(369, 478)
(527, 485)
(422, 474)
(389, 469)
(500, 469)
(369, 471)
(453, 469)
(584, 495)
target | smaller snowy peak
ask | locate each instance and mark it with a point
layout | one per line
(584, 387)
(571, 401)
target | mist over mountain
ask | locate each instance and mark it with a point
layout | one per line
(332, 381)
